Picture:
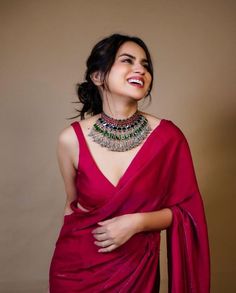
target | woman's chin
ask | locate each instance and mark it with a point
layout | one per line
(137, 98)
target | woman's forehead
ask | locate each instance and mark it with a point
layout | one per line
(131, 48)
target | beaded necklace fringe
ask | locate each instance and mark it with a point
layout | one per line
(120, 134)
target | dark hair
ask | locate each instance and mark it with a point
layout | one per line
(101, 59)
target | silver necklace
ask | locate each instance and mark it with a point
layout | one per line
(120, 134)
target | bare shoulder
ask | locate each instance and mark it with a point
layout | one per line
(152, 119)
(68, 146)
(67, 139)
(67, 136)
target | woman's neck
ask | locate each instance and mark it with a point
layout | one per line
(120, 111)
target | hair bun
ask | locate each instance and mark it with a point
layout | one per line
(89, 96)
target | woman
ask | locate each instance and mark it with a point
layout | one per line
(128, 175)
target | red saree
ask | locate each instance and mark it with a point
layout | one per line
(160, 175)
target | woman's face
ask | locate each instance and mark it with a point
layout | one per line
(129, 76)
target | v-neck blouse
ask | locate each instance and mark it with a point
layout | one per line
(93, 187)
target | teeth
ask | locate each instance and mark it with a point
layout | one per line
(135, 80)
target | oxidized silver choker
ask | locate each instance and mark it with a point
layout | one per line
(120, 134)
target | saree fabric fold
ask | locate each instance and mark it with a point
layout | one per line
(161, 175)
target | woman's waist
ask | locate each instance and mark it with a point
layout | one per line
(82, 247)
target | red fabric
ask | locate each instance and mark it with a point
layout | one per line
(160, 175)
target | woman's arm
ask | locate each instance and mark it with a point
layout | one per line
(66, 147)
(116, 231)
(157, 220)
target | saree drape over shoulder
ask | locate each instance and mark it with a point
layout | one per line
(161, 175)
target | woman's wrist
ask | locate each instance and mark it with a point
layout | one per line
(157, 220)
(138, 222)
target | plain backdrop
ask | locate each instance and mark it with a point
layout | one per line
(44, 46)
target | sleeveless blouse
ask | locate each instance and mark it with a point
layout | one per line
(161, 175)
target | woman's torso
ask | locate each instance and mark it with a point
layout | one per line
(107, 168)
(111, 164)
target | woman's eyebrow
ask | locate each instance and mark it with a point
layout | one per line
(132, 57)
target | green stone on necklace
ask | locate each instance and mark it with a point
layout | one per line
(120, 134)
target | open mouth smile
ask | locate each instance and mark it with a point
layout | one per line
(138, 82)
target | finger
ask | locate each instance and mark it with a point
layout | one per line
(99, 230)
(103, 236)
(108, 249)
(104, 243)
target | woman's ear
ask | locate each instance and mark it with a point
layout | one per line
(96, 78)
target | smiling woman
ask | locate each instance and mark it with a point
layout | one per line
(129, 73)
(128, 175)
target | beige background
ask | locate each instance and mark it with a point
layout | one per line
(44, 46)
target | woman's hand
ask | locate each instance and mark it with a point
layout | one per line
(116, 231)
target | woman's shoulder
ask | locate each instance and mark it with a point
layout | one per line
(171, 129)
(68, 133)
(66, 137)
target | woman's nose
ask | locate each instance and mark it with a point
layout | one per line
(139, 68)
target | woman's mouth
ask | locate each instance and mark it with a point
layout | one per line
(136, 82)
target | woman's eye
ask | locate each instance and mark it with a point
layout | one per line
(145, 65)
(127, 60)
